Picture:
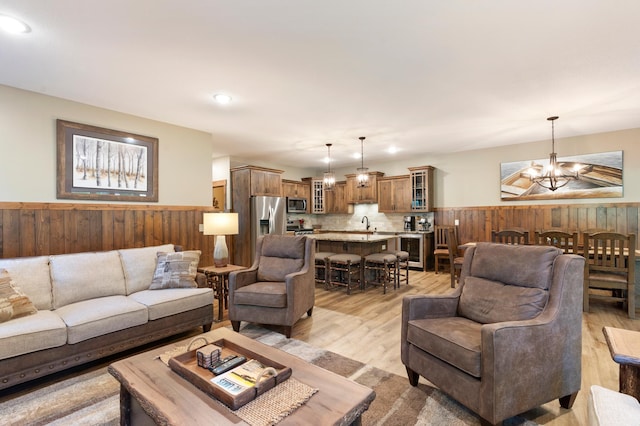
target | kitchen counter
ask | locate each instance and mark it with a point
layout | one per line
(350, 238)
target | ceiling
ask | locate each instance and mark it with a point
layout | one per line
(424, 76)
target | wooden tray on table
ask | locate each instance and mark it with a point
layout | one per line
(186, 365)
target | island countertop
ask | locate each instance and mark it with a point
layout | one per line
(350, 238)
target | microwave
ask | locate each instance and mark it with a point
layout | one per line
(296, 205)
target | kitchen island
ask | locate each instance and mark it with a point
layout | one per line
(360, 244)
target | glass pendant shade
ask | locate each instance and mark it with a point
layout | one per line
(329, 178)
(362, 172)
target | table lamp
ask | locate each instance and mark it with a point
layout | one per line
(220, 225)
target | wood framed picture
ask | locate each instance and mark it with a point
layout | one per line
(95, 163)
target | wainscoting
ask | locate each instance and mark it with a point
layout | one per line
(32, 229)
(476, 223)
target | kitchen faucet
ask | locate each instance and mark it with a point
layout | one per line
(363, 218)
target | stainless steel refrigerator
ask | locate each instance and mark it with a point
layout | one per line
(268, 216)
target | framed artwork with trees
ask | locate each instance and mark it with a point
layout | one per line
(95, 163)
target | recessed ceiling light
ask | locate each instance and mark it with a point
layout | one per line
(13, 25)
(222, 98)
(392, 150)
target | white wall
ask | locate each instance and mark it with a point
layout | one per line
(28, 147)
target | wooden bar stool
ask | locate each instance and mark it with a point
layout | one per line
(400, 272)
(341, 268)
(379, 266)
(321, 263)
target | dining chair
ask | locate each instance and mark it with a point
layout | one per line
(455, 260)
(566, 241)
(510, 236)
(609, 272)
(441, 249)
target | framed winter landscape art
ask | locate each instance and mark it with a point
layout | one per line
(95, 163)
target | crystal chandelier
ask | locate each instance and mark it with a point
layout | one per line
(554, 175)
(329, 178)
(362, 171)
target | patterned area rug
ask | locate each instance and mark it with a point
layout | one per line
(92, 398)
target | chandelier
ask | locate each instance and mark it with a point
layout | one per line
(555, 175)
(362, 172)
(329, 179)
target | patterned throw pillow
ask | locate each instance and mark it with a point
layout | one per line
(176, 270)
(13, 303)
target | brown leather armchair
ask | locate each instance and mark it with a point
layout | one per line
(508, 339)
(280, 286)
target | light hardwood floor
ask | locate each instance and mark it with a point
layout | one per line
(366, 327)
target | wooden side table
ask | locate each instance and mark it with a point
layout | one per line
(624, 346)
(218, 280)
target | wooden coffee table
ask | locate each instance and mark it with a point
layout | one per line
(150, 392)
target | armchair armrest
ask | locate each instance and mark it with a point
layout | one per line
(239, 279)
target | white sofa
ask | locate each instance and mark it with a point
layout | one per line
(91, 305)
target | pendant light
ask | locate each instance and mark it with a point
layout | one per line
(555, 175)
(329, 179)
(362, 171)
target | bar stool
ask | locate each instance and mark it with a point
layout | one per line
(402, 263)
(344, 266)
(321, 263)
(380, 266)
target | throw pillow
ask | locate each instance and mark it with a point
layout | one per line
(176, 270)
(13, 303)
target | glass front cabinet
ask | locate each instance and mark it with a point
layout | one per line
(421, 188)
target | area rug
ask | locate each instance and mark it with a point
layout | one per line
(92, 398)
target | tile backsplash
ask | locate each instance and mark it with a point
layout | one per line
(353, 222)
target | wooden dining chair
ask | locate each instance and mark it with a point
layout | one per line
(441, 248)
(455, 260)
(609, 272)
(563, 240)
(510, 236)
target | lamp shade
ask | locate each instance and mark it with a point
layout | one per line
(220, 223)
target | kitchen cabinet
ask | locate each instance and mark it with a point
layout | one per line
(421, 188)
(357, 195)
(257, 181)
(296, 189)
(317, 195)
(336, 201)
(394, 194)
(247, 181)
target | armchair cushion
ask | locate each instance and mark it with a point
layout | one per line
(266, 293)
(455, 340)
(534, 264)
(488, 301)
(280, 257)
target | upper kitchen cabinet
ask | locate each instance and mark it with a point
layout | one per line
(357, 195)
(259, 180)
(394, 194)
(317, 195)
(295, 189)
(336, 199)
(421, 188)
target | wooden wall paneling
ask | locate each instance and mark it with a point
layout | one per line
(56, 236)
(157, 227)
(27, 233)
(11, 233)
(42, 232)
(95, 230)
(108, 226)
(118, 229)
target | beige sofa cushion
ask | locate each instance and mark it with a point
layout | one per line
(84, 276)
(13, 302)
(139, 265)
(172, 301)
(31, 275)
(43, 330)
(96, 317)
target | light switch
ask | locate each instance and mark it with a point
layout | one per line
(201, 227)
(456, 222)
